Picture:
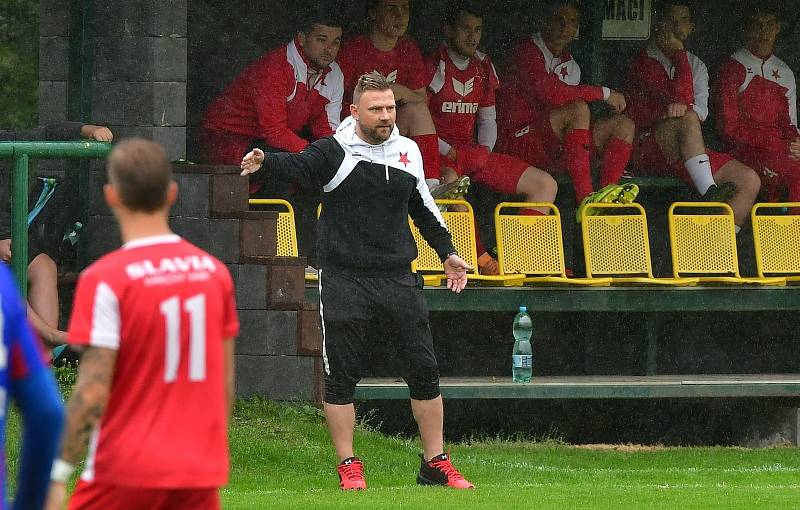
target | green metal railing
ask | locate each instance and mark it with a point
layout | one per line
(22, 153)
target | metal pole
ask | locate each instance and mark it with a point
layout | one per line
(19, 222)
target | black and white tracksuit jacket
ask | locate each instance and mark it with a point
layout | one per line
(368, 193)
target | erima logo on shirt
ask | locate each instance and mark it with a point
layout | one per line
(168, 265)
(459, 107)
(391, 77)
(464, 89)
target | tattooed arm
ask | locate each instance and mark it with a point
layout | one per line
(84, 410)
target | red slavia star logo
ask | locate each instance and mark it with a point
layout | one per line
(563, 72)
(404, 159)
(776, 74)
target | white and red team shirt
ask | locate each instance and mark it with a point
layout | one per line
(656, 81)
(538, 81)
(270, 100)
(166, 307)
(756, 102)
(458, 95)
(403, 64)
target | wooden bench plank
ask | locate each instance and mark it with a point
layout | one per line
(596, 387)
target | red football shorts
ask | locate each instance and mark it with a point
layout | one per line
(498, 172)
(775, 169)
(535, 143)
(648, 159)
(94, 496)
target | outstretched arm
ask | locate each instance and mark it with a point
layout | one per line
(316, 164)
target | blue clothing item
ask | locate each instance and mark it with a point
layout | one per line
(26, 379)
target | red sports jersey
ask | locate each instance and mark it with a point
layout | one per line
(270, 101)
(538, 81)
(403, 64)
(456, 95)
(756, 102)
(166, 307)
(654, 82)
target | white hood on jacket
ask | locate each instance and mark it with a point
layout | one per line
(358, 149)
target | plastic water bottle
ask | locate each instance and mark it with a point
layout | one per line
(522, 357)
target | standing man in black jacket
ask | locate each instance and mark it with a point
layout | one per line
(372, 180)
(46, 231)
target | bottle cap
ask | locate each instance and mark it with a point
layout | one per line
(523, 309)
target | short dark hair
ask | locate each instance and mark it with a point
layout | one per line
(474, 7)
(370, 81)
(550, 6)
(761, 9)
(141, 173)
(326, 13)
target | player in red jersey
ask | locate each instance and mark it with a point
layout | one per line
(279, 101)
(462, 103)
(668, 95)
(156, 321)
(396, 56)
(756, 107)
(544, 114)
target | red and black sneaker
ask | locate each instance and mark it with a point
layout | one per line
(440, 471)
(351, 474)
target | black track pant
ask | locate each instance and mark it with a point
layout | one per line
(348, 304)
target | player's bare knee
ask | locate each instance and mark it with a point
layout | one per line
(625, 128)
(42, 266)
(579, 113)
(749, 181)
(546, 186)
(690, 123)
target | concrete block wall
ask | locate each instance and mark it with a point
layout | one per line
(139, 73)
(278, 351)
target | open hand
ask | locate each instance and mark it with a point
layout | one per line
(456, 270)
(252, 162)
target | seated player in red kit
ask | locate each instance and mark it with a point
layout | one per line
(756, 107)
(544, 115)
(462, 104)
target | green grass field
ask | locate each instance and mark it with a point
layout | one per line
(282, 459)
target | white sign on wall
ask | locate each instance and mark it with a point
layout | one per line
(627, 20)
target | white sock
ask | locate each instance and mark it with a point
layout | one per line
(737, 229)
(699, 168)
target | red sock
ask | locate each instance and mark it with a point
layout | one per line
(429, 148)
(615, 159)
(577, 143)
(531, 212)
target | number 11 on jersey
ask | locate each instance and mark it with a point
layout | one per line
(170, 308)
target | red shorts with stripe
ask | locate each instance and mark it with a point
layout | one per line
(94, 496)
(498, 172)
(535, 143)
(776, 170)
(648, 159)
